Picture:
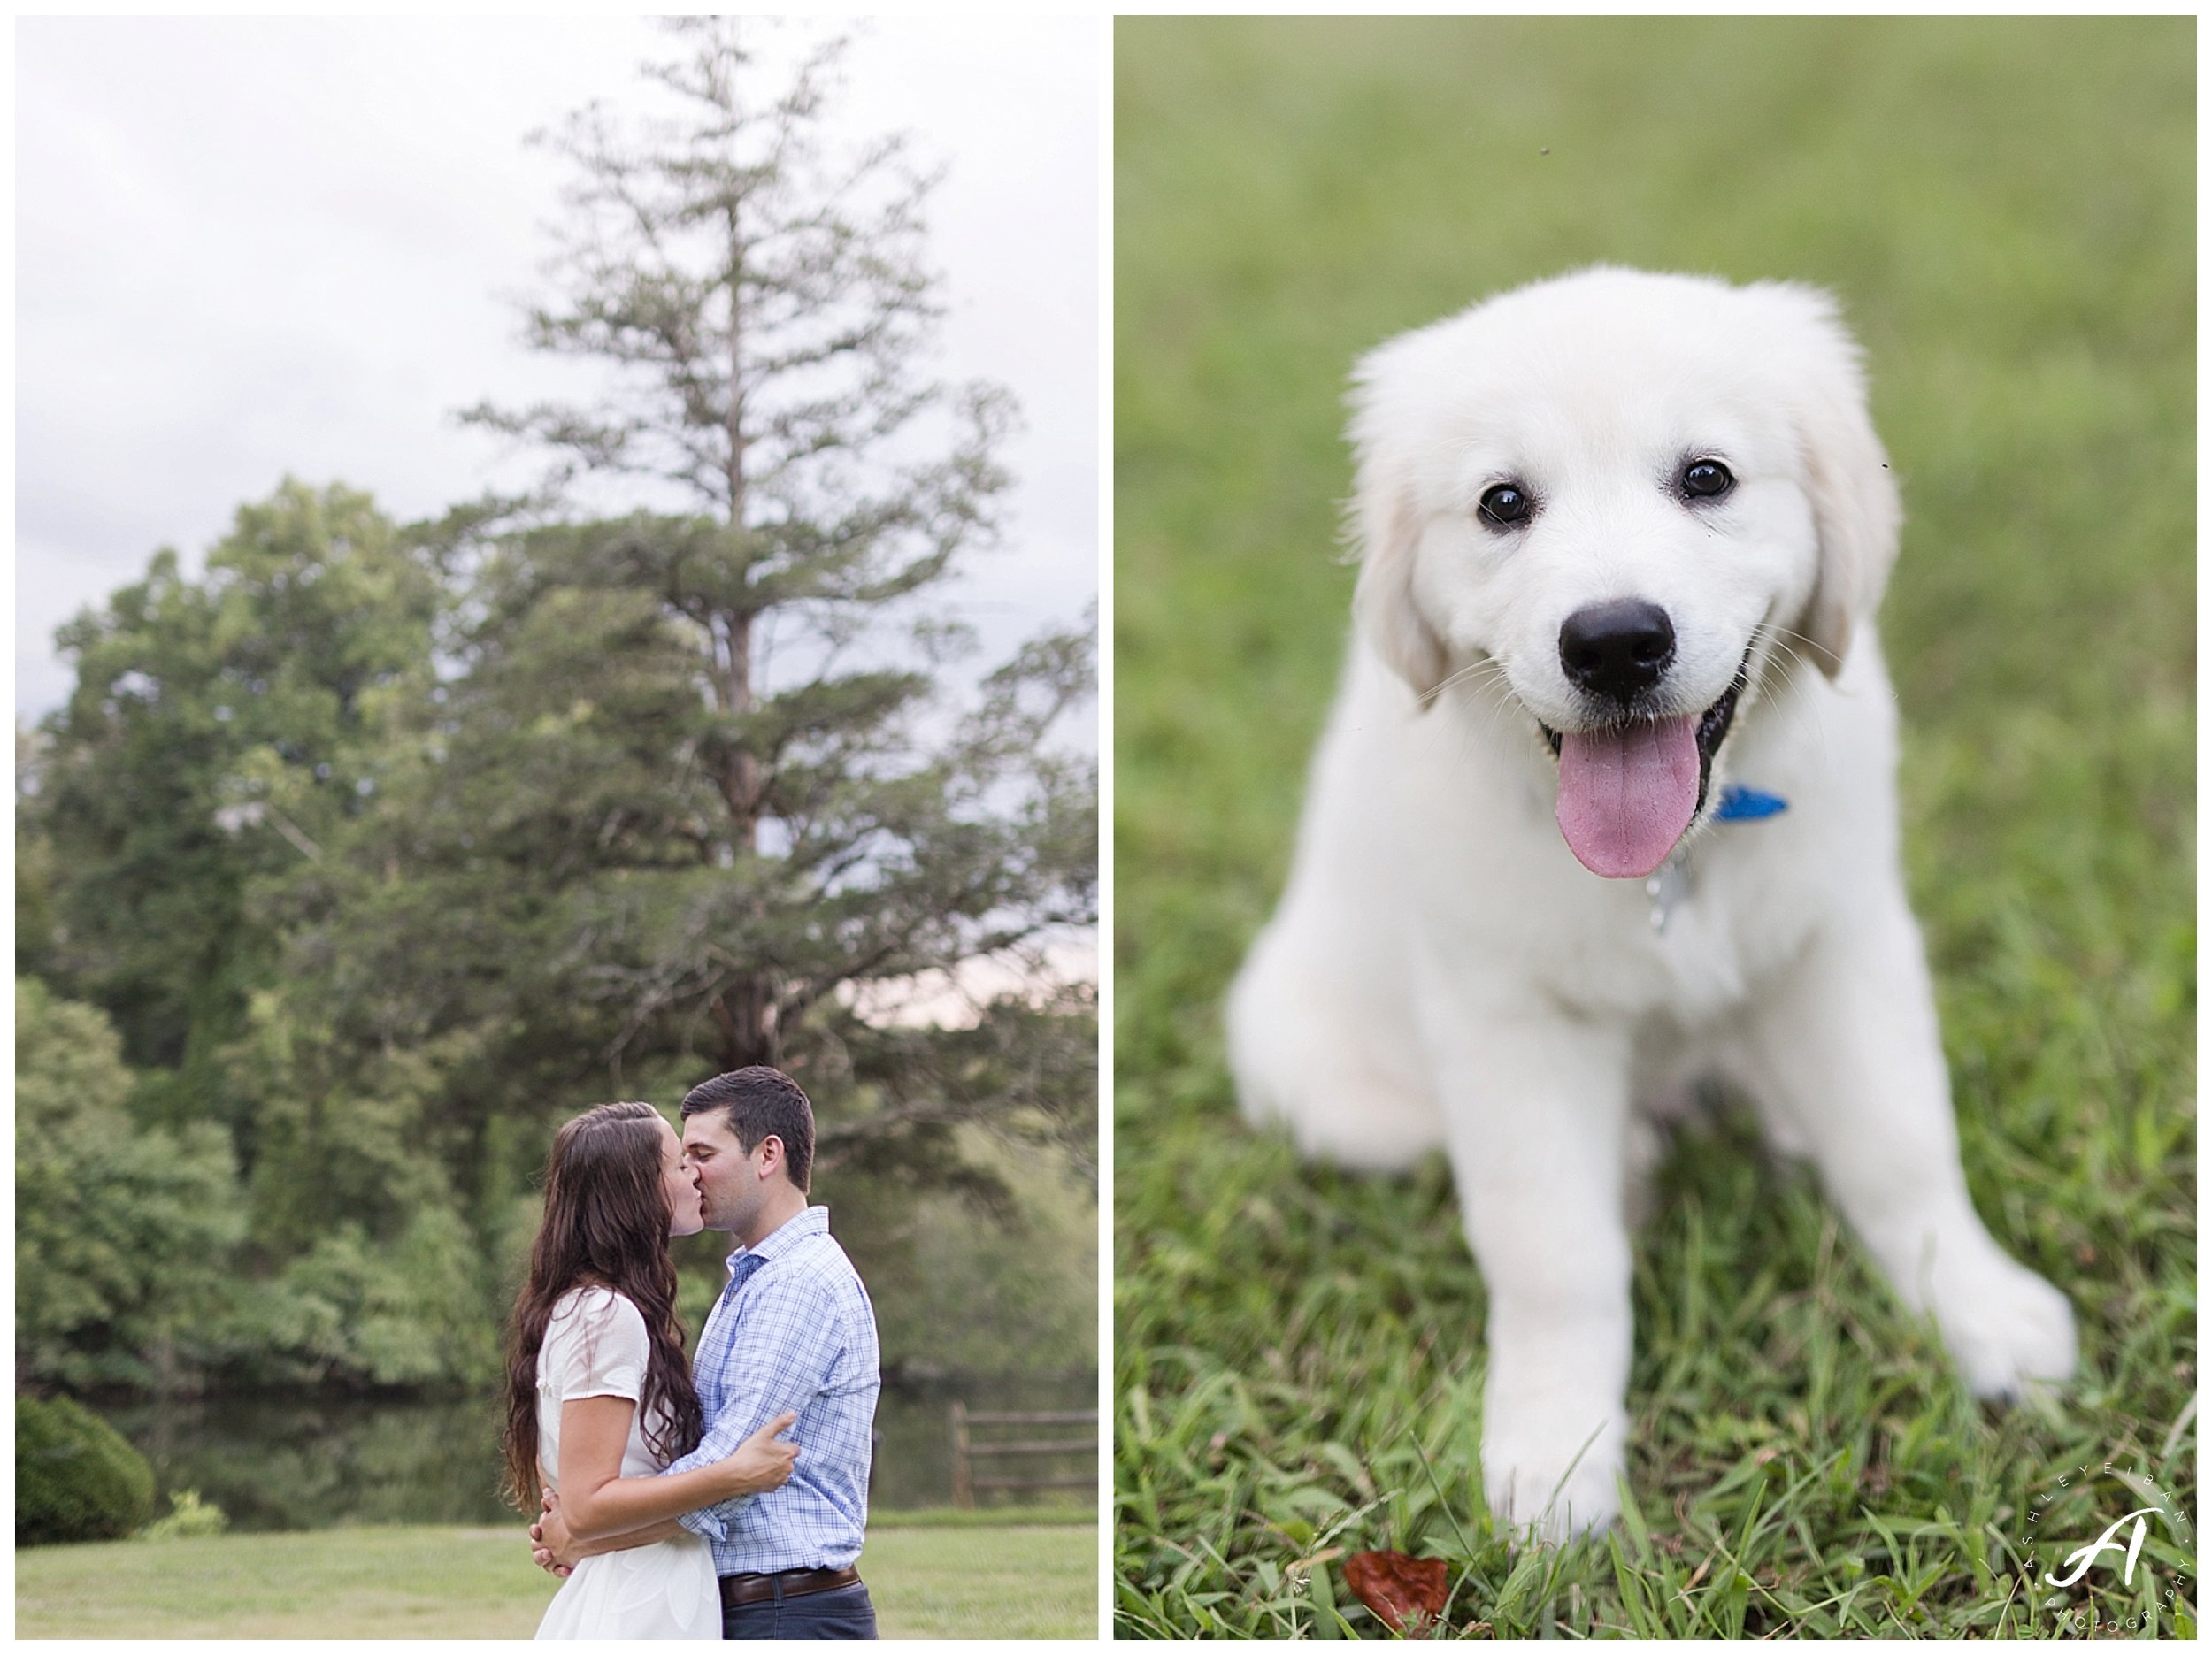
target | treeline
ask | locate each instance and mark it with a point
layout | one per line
(357, 862)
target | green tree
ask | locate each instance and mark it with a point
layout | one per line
(123, 1232)
(217, 734)
(1016, 1296)
(35, 872)
(765, 306)
(721, 860)
(178, 820)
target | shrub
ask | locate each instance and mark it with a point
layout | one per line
(189, 1516)
(75, 1478)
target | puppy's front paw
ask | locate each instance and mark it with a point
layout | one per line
(2009, 1330)
(1544, 1474)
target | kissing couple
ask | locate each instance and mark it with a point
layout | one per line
(670, 1501)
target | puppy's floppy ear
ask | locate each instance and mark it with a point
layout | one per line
(1385, 526)
(1856, 511)
(1384, 606)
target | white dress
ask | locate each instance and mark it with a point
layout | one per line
(596, 1346)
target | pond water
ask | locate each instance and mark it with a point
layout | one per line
(287, 1459)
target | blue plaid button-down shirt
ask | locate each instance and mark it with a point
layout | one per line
(792, 1331)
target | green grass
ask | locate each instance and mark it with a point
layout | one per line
(974, 1580)
(1049, 1513)
(985, 1582)
(2006, 209)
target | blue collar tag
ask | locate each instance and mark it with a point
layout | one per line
(1749, 804)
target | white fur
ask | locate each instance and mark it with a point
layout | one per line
(1443, 972)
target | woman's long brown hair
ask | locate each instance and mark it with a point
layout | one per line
(606, 1224)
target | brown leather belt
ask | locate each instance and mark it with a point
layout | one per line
(738, 1589)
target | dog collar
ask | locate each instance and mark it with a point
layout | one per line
(1749, 804)
(1667, 887)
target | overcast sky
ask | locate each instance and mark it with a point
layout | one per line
(250, 248)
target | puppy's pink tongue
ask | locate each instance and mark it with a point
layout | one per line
(1626, 794)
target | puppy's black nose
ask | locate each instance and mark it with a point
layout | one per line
(1616, 650)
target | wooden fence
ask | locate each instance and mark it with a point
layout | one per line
(966, 1451)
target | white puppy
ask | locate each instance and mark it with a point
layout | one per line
(1607, 805)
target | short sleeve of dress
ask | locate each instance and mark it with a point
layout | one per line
(596, 1346)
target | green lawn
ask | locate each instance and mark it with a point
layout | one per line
(2006, 209)
(969, 1581)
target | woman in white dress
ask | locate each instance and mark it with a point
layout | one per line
(599, 1391)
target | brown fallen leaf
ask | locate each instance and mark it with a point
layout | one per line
(1404, 1593)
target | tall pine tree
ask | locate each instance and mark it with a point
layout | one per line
(765, 306)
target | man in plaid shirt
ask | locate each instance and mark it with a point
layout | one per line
(792, 1330)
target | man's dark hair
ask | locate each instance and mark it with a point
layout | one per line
(761, 1100)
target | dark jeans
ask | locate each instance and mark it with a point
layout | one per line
(843, 1613)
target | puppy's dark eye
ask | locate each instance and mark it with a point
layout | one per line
(1504, 504)
(1706, 479)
